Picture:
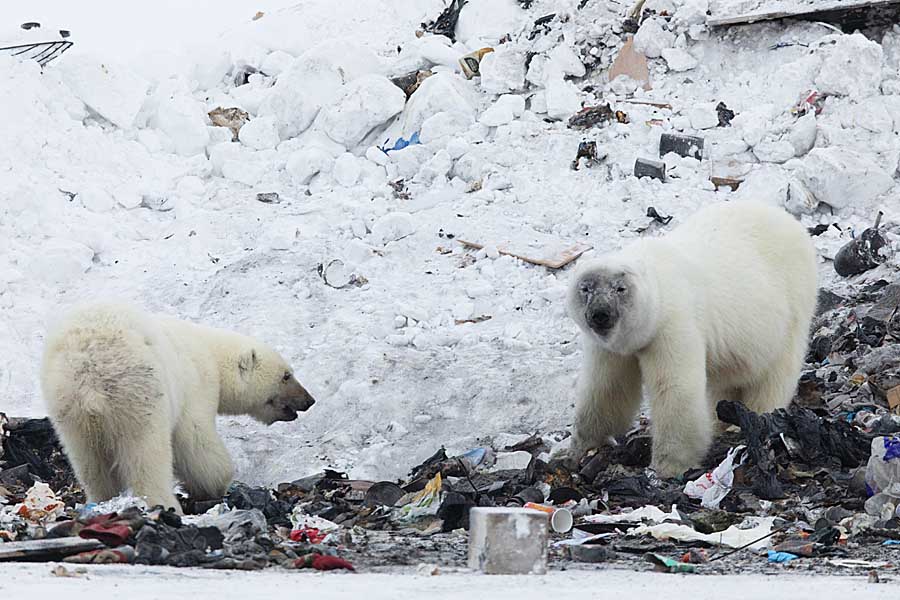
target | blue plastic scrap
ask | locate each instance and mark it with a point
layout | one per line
(891, 447)
(401, 143)
(890, 543)
(781, 557)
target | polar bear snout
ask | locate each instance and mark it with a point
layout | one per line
(601, 316)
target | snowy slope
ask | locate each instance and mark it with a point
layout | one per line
(115, 186)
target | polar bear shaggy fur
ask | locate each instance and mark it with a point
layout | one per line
(720, 308)
(134, 397)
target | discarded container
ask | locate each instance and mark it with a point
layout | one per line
(508, 540)
(561, 519)
(883, 477)
(863, 253)
(682, 145)
(471, 62)
(588, 151)
(528, 495)
(410, 82)
(645, 167)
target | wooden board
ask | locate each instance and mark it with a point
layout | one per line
(631, 63)
(550, 255)
(819, 10)
(47, 549)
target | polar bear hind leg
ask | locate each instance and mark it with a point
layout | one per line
(776, 386)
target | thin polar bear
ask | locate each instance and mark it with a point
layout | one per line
(720, 308)
(133, 397)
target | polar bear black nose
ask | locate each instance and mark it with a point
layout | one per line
(600, 317)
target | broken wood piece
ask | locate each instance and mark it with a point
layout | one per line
(631, 63)
(731, 182)
(648, 103)
(47, 549)
(552, 256)
(846, 12)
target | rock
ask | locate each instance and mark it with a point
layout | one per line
(851, 65)
(652, 38)
(365, 104)
(504, 110)
(502, 70)
(260, 133)
(840, 177)
(96, 199)
(305, 163)
(678, 59)
(392, 227)
(110, 90)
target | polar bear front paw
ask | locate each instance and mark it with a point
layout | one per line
(671, 466)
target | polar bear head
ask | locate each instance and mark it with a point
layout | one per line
(615, 301)
(271, 392)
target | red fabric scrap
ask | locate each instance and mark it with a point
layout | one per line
(322, 562)
(308, 534)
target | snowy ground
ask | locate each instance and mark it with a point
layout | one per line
(114, 186)
(34, 581)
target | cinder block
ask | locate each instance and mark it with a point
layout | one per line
(508, 540)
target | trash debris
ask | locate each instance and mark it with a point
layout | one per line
(508, 540)
(410, 82)
(591, 553)
(863, 253)
(781, 557)
(883, 478)
(645, 167)
(594, 115)
(731, 182)
(669, 565)
(733, 537)
(42, 51)
(49, 549)
(268, 197)
(232, 118)
(445, 23)
(631, 64)
(322, 562)
(471, 62)
(725, 115)
(587, 150)
(682, 145)
(544, 252)
(651, 212)
(712, 487)
(561, 519)
(401, 143)
(851, 14)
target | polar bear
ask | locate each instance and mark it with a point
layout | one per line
(720, 308)
(134, 397)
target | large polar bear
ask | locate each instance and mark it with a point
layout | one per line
(720, 308)
(134, 398)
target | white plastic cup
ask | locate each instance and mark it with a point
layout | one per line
(561, 519)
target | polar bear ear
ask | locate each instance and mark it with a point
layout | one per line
(247, 362)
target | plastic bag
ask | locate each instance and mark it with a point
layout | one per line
(883, 477)
(712, 487)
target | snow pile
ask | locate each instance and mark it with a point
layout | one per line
(119, 186)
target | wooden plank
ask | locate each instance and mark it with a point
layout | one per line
(46, 549)
(818, 10)
(552, 257)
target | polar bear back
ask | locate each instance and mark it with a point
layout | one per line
(747, 272)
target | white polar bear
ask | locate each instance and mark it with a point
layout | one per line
(134, 397)
(720, 308)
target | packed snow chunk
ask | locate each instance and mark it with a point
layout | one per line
(365, 104)
(561, 96)
(774, 151)
(315, 79)
(184, 121)
(445, 124)
(276, 63)
(564, 58)
(437, 49)
(652, 38)
(60, 261)
(128, 196)
(679, 59)
(346, 169)
(703, 116)
(436, 168)
(377, 156)
(843, 178)
(504, 110)
(691, 13)
(243, 171)
(502, 70)
(392, 227)
(851, 65)
(442, 92)
(802, 135)
(260, 133)
(110, 90)
(484, 22)
(96, 199)
(304, 164)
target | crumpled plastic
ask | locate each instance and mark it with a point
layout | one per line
(712, 487)
(883, 477)
(300, 520)
(733, 537)
(423, 504)
(649, 513)
(41, 504)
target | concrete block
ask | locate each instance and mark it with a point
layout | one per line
(508, 540)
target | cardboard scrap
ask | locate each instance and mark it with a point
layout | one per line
(631, 63)
(550, 254)
(893, 398)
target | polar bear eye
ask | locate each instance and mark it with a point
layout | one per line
(621, 289)
(287, 376)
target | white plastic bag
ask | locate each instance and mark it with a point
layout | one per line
(712, 487)
(883, 477)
